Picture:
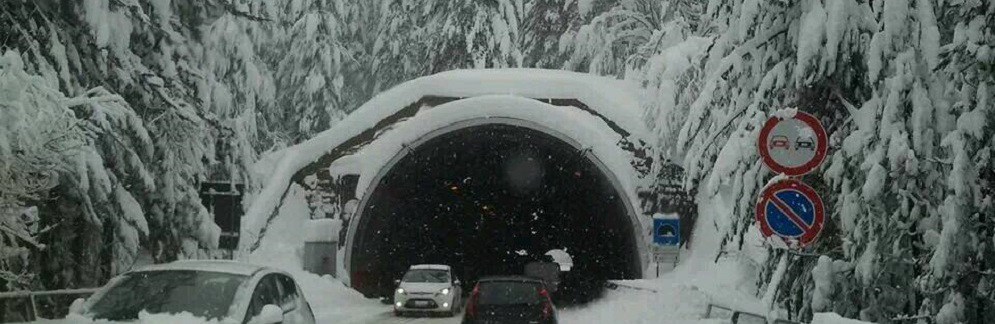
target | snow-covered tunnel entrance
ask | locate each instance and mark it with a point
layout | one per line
(489, 172)
(488, 196)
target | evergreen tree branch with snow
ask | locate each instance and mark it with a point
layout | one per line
(902, 86)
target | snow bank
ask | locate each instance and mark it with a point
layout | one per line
(671, 303)
(323, 230)
(611, 98)
(284, 241)
(331, 301)
(683, 295)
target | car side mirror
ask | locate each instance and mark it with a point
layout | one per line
(271, 314)
(456, 282)
(76, 308)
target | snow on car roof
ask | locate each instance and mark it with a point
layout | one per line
(430, 266)
(224, 266)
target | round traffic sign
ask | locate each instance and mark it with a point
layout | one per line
(791, 210)
(793, 145)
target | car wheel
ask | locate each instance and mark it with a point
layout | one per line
(398, 313)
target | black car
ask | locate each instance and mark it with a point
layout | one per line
(512, 299)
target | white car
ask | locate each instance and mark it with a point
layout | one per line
(428, 288)
(229, 292)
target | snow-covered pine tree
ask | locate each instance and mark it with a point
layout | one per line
(475, 34)
(423, 37)
(38, 142)
(151, 53)
(957, 39)
(400, 48)
(650, 43)
(881, 76)
(843, 61)
(545, 22)
(108, 167)
(310, 75)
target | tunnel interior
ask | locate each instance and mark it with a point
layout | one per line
(486, 200)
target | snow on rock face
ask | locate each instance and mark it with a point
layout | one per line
(616, 100)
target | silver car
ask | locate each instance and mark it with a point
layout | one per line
(229, 292)
(428, 288)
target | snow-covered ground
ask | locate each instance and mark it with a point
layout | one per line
(676, 297)
(681, 295)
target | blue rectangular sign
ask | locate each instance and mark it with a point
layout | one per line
(666, 231)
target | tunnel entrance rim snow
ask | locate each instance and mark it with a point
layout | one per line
(632, 214)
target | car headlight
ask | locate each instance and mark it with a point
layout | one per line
(400, 291)
(445, 291)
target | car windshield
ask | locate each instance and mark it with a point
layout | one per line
(427, 275)
(509, 293)
(203, 294)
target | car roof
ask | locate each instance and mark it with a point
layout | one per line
(223, 266)
(509, 278)
(430, 266)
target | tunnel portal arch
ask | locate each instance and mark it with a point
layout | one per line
(358, 230)
(599, 115)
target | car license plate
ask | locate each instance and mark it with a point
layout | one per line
(421, 303)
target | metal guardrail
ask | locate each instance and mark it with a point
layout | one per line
(32, 296)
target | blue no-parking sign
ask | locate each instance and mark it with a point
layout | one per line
(791, 210)
(666, 231)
